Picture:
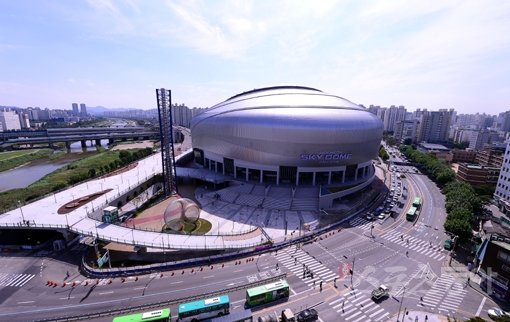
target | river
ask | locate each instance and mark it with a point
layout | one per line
(24, 176)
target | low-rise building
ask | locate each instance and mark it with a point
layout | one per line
(476, 175)
(440, 151)
(458, 155)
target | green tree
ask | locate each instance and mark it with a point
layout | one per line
(460, 228)
(461, 214)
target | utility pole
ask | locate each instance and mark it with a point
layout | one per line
(400, 307)
(352, 270)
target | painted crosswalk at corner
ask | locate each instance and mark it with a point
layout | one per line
(298, 261)
(358, 307)
(416, 245)
(445, 295)
(15, 280)
(361, 223)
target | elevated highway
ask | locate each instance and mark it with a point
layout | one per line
(69, 135)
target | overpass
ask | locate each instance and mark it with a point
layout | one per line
(69, 135)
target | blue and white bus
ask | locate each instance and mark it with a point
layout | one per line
(204, 309)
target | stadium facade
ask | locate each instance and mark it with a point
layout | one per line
(288, 135)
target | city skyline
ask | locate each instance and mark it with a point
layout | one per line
(115, 54)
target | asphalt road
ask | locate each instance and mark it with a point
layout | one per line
(419, 280)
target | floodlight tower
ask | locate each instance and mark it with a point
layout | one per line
(164, 97)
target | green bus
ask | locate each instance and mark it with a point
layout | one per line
(158, 315)
(267, 293)
(417, 202)
(204, 309)
(411, 214)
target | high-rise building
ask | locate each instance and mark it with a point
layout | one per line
(76, 112)
(406, 129)
(9, 120)
(83, 110)
(479, 139)
(434, 126)
(24, 121)
(502, 194)
(393, 115)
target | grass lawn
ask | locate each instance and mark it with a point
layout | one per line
(201, 227)
(13, 159)
(13, 154)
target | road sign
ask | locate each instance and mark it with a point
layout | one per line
(103, 260)
(344, 270)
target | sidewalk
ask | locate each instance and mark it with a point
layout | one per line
(419, 316)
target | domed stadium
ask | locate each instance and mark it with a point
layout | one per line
(288, 135)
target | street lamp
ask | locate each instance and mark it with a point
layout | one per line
(21, 209)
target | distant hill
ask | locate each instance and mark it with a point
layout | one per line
(99, 110)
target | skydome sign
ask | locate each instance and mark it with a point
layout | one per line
(326, 156)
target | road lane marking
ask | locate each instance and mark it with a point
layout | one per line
(177, 282)
(139, 288)
(480, 307)
(103, 293)
(208, 276)
(26, 302)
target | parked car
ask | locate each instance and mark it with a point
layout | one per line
(496, 312)
(381, 216)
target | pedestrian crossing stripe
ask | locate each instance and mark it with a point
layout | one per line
(361, 223)
(446, 295)
(357, 307)
(15, 280)
(416, 245)
(294, 261)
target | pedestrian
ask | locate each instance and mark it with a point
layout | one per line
(313, 284)
(407, 253)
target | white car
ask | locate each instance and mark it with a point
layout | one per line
(496, 312)
(381, 216)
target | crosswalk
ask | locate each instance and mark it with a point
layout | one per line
(446, 295)
(361, 223)
(15, 280)
(295, 260)
(416, 245)
(356, 307)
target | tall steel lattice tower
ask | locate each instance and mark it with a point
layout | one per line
(166, 133)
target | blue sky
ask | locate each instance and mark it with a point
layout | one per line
(421, 54)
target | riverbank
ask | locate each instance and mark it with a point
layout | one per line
(92, 165)
(13, 159)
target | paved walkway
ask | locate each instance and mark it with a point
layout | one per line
(43, 214)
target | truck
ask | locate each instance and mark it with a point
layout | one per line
(288, 316)
(380, 292)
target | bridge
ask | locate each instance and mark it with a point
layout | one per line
(69, 135)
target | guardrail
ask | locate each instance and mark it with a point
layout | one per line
(130, 309)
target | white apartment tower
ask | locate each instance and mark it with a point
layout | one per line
(9, 120)
(392, 116)
(502, 194)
